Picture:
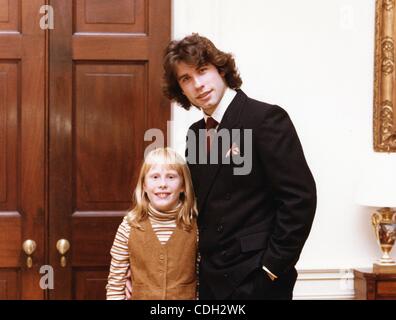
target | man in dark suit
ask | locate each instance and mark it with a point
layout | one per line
(252, 224)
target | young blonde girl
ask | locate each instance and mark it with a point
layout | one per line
(156, 243)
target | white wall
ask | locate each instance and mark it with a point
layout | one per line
(315, 58)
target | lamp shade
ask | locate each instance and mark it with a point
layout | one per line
(377, 182)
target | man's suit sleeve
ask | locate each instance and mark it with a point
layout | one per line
(293, 186)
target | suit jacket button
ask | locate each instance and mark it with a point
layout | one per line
(225, 275)
(224, 253)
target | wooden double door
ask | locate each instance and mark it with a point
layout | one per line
(75, 102)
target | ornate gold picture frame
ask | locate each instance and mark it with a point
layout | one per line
(385, 85)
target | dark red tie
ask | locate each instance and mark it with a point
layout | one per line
(210, 124)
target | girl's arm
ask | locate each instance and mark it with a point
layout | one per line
(119, 264)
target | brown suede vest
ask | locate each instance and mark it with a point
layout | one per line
(163, 272)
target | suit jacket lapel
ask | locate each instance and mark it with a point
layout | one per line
(208, 172)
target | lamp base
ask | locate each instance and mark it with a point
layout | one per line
(382, 268)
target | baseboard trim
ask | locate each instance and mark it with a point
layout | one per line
(324, 284)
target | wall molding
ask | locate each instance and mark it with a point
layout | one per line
(324, 284)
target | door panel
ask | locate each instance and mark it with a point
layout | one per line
(9, 15)
(22, 147)
(89, 284)
(120, 16)
(113, 121)
(105, 92)
(8, 134)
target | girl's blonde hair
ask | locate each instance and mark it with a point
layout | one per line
(171, 159)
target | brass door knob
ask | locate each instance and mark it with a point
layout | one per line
(63, 246)
(29, 246)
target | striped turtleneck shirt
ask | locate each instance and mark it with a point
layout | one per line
(163, 224)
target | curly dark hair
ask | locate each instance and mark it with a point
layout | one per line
(198, 51)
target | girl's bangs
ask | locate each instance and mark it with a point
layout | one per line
(165, 156)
